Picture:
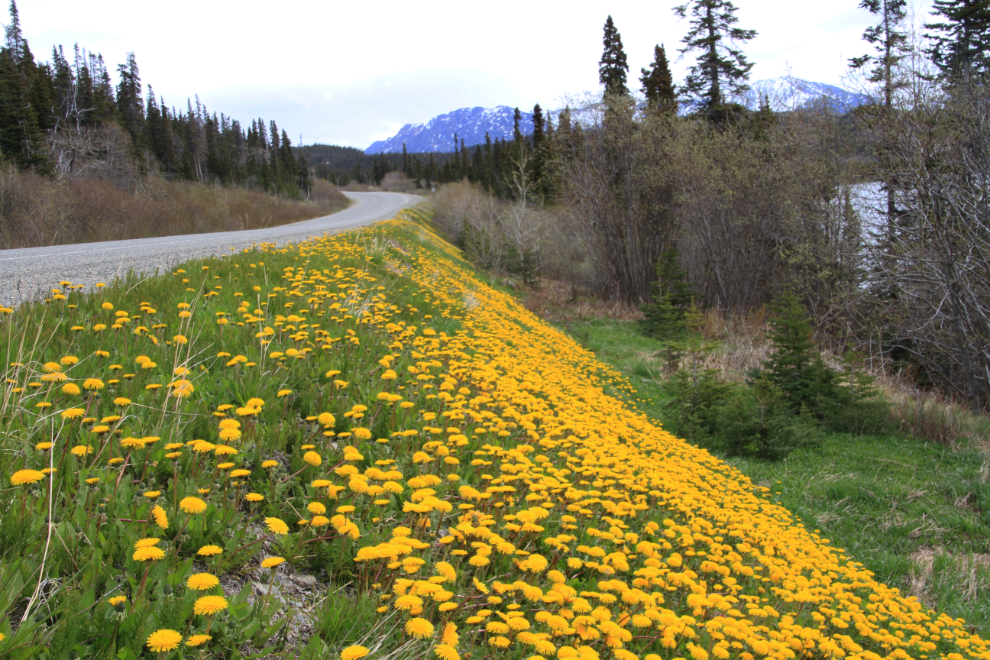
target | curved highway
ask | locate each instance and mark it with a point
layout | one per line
(27, 273)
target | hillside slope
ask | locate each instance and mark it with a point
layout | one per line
(365, 408)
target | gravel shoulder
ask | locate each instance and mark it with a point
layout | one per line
(26, 274)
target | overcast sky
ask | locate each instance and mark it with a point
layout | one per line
(354, 72)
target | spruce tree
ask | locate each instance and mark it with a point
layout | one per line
(889, 40)
(658, 83)
(960, 44)
(537, 125)
(793, 366)
(130, 101)
(612, 68)
(15, 42)
(720, 70)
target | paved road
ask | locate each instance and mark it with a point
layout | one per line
(25, 273)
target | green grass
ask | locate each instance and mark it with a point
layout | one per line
(914, 513)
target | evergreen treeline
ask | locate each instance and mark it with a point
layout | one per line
(58, 116)
(491, 165)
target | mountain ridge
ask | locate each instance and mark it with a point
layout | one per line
(471, 125)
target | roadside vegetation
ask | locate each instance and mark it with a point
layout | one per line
(39, 211)
(460, 478)
(906, 496)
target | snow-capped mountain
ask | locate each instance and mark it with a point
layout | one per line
(788, 93)
(470, 125)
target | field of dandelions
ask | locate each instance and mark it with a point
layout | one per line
(467, 481)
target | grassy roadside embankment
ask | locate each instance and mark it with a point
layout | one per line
(451, 476)
(913, 511)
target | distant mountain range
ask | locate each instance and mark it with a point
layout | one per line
(471, 124)
(788, 93)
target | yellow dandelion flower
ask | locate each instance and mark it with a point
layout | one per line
(276, 526)
(192, 505)
(272, 562)
(419, 628)
(209, 550)
(202, 581)
(353, 652)
(161, 519)
(446, 652)
(22, 477)
(148, 554)
(164, 640)
(210, 605)
(198, 640)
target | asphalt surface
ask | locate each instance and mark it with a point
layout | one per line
(29, 273)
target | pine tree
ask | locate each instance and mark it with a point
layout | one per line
(612, 68)
(130, 104)
(889, 41)
(537, 125)
(960, 44)
(721, 69)
(793, 365)
(658, 83)
(15, 43)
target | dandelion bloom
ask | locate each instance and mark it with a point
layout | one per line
(210, 605)
(254, 497)
(282, 393)
(198, 640)
(122, 401)
(202, 581)
(446, 652)
(72, 413)
(22, 477)
(316, 507)
(277, 526)
(147, 543)
(192, 505)
(240, 473)
(209, 550)
(161, 519)
(353, 652)
(312, 458)
(272, 562)
(70, 388)
(163, 640)
(150, 553)
(117, 600)
(81, 450)
(419, 628)
(93, 384)
(230, 434)
(269, 464)
(42, 446)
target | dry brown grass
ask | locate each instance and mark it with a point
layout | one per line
(37, 211)
(741, 345)
(558, 301)
(968, 572)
